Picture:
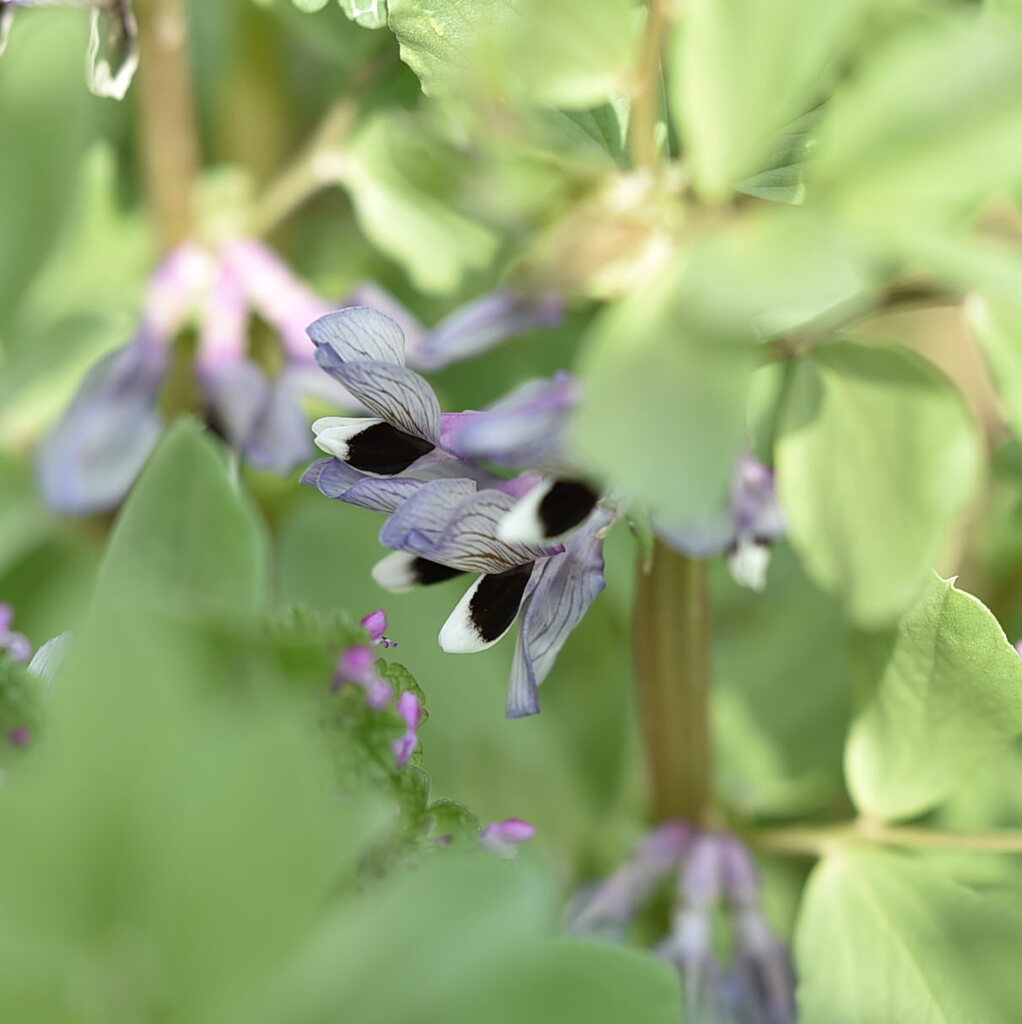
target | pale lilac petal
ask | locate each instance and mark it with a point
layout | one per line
(174, 289)
(426, 511)
(409, 707)
(393, 393)
(504, 837)
(223, 331)
(434, 524)
(90, 459)
(332, 477)
(483, 324)
(384, 495)
(6, 617)
(356, 335)
(565, 589)
(755, 507)
(523, 429)
(280, 438)
(369, 293)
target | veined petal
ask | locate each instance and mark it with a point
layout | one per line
(331, 477)
(369, 293)
(427, 512)
(401, 571)
(550, 510)
(483, 324)
(394, 393)
(90, 459)
(524, 428)
(383, 495)
(357, 334)
(566, 587)
(486, 612)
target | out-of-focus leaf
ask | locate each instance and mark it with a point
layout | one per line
(186, 534)
(436, 245)
(569, 53)
(942, 693)
(876, 455)
(880, 939)
(367, 13)
(927, 128)
(782, 179)
(738, 79)
(46, 118)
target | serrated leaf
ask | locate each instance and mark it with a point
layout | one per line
(738, 80)
(186, 534)
(943, 692)
(881, 938)
(876, 455)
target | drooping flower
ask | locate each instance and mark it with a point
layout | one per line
(113, 40)
(16, 645)
(445, 510)
(504, 837)
(91, 457)
(376, 624)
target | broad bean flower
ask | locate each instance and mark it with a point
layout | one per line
(446, 511)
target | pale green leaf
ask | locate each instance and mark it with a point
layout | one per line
(434, 243)
(186, 533)
(881, 939)
(928, 127)
(942, 693)
(876, 455)
(743, 70)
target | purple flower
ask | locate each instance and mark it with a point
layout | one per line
(357, 665)
(113, 40)
(616, 900)
(15, 644)
(746, 531)
(20, 737)
(376, 624)
(504, 837)
(409, 707)
(90, 459)
(470, 330)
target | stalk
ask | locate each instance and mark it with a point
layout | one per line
(671, 632)
(166, 110)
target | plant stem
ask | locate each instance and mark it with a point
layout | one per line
(646, 99)
(167, 127)
(816, 840)
(671, 634)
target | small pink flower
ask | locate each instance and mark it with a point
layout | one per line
(409, 707)
(504, 837)
(376, 623)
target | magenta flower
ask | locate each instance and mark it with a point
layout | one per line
(409, 707)
(16, 644)
(376, 624)
(504, 837)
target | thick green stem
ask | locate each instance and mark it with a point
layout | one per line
(672, 667)
(167, 126)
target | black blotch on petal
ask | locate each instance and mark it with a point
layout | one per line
(426, 572)
(565, 505)
(496, 601)
(385, 450)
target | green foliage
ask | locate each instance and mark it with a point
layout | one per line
(724, 53)
(881, 938)
(941, 693)
(876, 455)
(926, 128)
(187, 535)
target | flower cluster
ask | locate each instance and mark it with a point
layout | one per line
(533, 543)
(357, 666)
(713, 872)
(113, 40)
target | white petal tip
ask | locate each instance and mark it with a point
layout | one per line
(396, 572)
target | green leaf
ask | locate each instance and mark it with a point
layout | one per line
(367, 13)
(881, 939)
(943, 692)
(739, 80)
(186, 534)
(876, 455)
(927, 129)
(570, 53)
(409, 219)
